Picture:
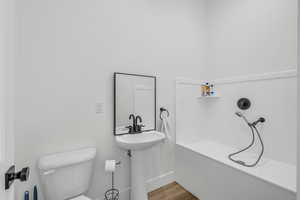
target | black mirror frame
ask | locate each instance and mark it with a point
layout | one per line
(115, 100)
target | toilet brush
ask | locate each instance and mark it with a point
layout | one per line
(35, 193)
(112, 194)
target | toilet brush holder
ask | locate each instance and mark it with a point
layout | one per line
(112, 194)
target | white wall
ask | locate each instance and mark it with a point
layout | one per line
(251, 36)
(67, 53)
(215, 119)
(7, 56)
(255, 37)
(248, 37)
(298, 116)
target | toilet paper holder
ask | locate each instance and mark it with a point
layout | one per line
(110, 165)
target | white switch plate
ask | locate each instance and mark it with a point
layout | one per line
(99, 107)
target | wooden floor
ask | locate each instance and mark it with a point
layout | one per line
(172, 191)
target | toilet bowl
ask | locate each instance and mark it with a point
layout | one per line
(67, 176)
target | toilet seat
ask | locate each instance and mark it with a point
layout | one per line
(82, 197)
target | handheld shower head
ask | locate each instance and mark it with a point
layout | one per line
(260, 120)
(239, 114)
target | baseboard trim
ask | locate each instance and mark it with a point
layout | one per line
(151, 184)
(159, 181)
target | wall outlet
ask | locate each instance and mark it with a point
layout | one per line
(99, 108)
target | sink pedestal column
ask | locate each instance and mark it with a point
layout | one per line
(138, 182)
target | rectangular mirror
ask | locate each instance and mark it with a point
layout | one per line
(134, 103)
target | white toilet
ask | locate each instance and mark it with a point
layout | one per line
(67, 176)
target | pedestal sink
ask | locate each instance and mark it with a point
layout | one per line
(138, 143)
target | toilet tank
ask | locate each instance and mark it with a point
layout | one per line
(66, 175)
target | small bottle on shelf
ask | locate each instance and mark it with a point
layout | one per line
(203, 90)
(207, 87)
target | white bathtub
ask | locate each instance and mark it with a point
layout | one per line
(204, 169)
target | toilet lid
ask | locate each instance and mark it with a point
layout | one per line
(80, 198)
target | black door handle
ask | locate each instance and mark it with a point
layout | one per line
(11, 176)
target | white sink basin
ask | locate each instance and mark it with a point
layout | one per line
(140, 141)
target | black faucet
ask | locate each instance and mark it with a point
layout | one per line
(133, 127)
(138, 127)
(138, 118)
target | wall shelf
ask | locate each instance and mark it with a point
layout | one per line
(209, 97)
